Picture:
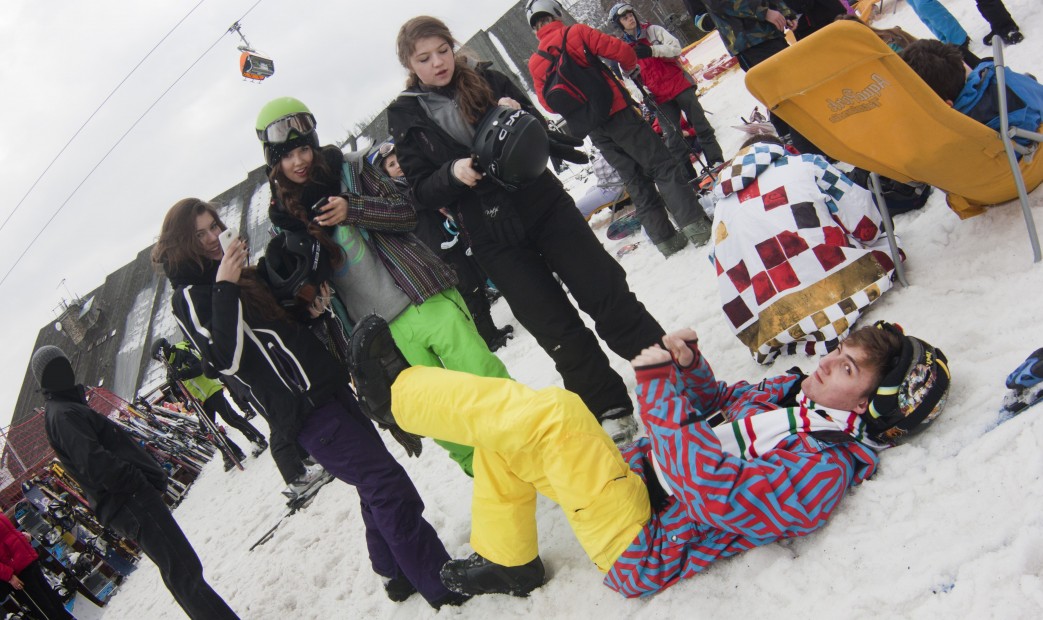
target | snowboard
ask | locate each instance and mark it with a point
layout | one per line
(624, 227)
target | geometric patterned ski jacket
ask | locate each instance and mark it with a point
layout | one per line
(721, 504)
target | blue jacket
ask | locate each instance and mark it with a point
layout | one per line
(979, 99)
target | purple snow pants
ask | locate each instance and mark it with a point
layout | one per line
(400, 540)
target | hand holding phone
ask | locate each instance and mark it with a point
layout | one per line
(316, 209)
(226, 238)
(234, 259)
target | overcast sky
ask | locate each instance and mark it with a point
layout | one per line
(62, 58)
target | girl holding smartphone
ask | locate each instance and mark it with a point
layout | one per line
(231, 317)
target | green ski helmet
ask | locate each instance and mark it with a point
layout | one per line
(285, 124)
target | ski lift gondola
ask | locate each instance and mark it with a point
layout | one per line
(252, 65)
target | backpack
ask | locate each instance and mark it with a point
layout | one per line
(581, 95)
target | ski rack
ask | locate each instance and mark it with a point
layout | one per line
(197, 407)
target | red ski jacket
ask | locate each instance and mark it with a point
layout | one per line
(15, 551)
(662, 75)
(597, 42)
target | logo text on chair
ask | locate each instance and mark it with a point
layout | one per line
(853, 101)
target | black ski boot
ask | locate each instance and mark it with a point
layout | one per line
(376, 361)
(476, 575)
(452, 600)
(494, 337)
(229, 464)
(499, 338)
(236, 450)
(1012, 36)
(260, 445)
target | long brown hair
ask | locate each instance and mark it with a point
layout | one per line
(473, 94)
(178, 244)
(288, 194)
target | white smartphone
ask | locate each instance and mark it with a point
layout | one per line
(227, 237)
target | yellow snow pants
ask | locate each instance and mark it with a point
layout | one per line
(527, 441)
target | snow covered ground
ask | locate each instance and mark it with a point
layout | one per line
(950, 526)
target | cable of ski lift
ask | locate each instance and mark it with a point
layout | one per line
(95, 112)
(112, 148)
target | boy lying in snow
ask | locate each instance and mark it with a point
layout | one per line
(725, 467)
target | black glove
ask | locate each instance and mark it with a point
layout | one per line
(407, 440)
(563, 146)
(563, 139)
(568, 153)
(643, 51)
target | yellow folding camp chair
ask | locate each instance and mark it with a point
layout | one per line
(854, 98)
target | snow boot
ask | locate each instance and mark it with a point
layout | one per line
(260, 445)
(698, 232)
(376, 361)
(671, 246)
(453, 599)
(1028, 374)
(399, 589)
(477, 575)
(500, 337)
(1012, 37)
(239, 456)
(312, 475)
(495, 338)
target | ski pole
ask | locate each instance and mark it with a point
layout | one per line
(35, 604)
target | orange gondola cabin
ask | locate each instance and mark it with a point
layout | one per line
(254, 66)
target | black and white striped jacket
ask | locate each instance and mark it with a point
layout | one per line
(282, 363)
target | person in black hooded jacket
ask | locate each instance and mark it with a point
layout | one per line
(123, 484)
(231, 317)
(521, 238)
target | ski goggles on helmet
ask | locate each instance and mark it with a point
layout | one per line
(280, 130)
(382, 152)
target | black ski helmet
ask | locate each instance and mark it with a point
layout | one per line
(160, 349)
(295, 266)
(912, 392)
(511, 147)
